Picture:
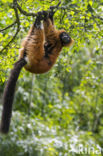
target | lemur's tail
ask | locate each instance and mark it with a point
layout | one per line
(9, 96)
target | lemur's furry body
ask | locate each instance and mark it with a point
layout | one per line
(38, 54)
(42, 47)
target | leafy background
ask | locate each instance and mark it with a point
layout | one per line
(60, 112)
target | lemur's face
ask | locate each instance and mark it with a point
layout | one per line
(65, 39)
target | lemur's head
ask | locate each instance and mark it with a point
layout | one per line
(65, 39)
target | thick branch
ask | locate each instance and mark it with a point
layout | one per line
(34, 14)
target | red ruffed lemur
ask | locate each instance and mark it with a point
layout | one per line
(38, 54)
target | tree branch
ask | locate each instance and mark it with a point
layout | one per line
(97, 17)
(15, 7)
(18, 27)
(34, 14)
(8, 26)
(55, 7)
(24, 12)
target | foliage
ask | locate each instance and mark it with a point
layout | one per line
(28, 136)
(58, 112)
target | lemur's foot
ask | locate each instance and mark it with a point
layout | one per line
(52, 12)
(42, 15)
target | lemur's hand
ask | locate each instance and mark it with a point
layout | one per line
(53, 9)
(52, 12)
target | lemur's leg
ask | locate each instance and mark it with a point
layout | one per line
(34, 42)
(51, 35)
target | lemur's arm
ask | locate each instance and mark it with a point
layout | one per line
(49, 28)
(52, 39)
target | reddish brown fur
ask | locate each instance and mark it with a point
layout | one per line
(37, 62)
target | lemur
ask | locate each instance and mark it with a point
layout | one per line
(38, 54)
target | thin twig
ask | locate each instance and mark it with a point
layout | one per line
(97, 17)
(55, 7)
(18, 27)
(8, 26)
(8, 44)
